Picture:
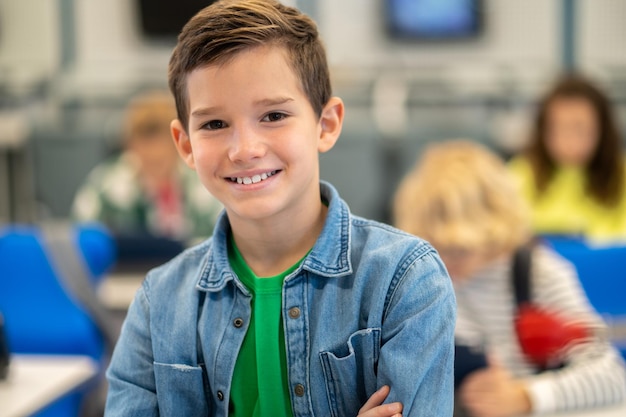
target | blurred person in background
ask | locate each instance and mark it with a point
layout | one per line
(462, 198)
(146, 189)
(572, 172)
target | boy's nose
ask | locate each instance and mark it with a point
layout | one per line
(246, 145)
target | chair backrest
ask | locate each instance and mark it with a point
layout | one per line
(602, 273)
(41, 315)
(47, 312)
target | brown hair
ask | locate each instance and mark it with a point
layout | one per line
(146, 112)
(605, 170)
(221, 30)
(460, 195)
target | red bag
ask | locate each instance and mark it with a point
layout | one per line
(543, 335)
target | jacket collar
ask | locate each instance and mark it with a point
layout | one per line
(330, 256)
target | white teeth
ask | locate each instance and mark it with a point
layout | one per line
(254, 179)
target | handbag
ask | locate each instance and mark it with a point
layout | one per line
(544, 335)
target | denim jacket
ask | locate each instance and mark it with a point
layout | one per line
(368, 306)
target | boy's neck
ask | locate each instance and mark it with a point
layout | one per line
(270, 249)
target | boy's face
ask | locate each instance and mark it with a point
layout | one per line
(152, 146)
(253, 136)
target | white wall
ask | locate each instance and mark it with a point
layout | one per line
(521, 39)
(521, 42)
(29, 41)
(602, 37)
(111, 55)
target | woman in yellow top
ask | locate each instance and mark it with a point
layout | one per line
(572, 173)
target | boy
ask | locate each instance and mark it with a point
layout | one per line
(294, 307)
(146, 189)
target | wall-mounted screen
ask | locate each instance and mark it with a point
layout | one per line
(434, 19)
(163, 19)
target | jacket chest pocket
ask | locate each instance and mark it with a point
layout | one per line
(180, 390)
(350, 374)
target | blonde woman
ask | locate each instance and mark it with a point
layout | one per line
(460, 197)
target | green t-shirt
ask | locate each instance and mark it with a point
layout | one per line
(259, 387)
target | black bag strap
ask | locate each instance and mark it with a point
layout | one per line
(521, 275)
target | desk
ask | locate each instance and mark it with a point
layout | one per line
(614, 411)
(38, 380)
(118, 290)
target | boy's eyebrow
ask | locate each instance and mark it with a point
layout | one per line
(273, 101)
(204, 111)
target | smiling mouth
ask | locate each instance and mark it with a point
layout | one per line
(253, 179)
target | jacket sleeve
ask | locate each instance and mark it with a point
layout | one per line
(594, 373)
(132, 389)
(417, 353)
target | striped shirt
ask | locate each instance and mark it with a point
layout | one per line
(594, 372)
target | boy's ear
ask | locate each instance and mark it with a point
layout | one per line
(182, 142)
(331, 121)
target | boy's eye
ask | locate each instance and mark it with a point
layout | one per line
(274, 117)
(215, 124)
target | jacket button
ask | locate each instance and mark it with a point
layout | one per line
(238, 322)
(220, 395)
(299, 390)
(294, 312)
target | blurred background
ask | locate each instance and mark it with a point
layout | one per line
(68, 67)
(410, 73)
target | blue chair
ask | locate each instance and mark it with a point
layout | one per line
(40, 315)
(602, 273)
